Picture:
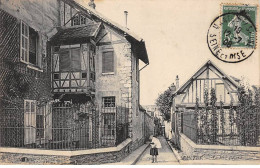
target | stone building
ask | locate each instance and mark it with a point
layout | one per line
(63, 51)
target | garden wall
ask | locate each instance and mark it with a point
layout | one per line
(93, 156)
(193, 151)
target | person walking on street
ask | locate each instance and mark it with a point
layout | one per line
(155, 144)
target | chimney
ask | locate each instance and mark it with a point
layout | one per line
(126, 13)
(177, 82)
(92, 4)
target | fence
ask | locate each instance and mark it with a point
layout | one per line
(63, 126)
(224, 128)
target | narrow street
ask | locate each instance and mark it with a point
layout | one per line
(165, 157)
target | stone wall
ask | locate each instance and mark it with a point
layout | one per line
(101, 158)
(18, 158)
(193, 151)
(93, 156)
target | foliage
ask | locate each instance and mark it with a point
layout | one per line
(205, 118)
(231, 118)
(214, 117)
(247, 116)
(164, 102)
(197, 118)
(243, 120)
(16, 83)
(222, 118)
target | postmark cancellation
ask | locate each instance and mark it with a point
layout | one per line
(232, 36)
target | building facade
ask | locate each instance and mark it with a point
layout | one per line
(191, 97)
(62, 52)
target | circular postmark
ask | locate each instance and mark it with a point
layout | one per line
(232, 36)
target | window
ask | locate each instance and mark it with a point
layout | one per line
(109, 124)
(29, 45)
(56, 76)
(108, 62)
(84, 75)
(29, 121)
(78, 20)
(109, 101)
(70, 59)
(220, 92)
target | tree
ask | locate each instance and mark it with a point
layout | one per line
(164, 102)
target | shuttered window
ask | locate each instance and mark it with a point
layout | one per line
(108, 62)
(29, 45)
(70, 59)
(33, 37)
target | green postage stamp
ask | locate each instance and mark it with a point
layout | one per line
(232, 36)
(238, 26)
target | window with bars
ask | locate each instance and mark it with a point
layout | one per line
(109, 124)
(29, 45)
(109, 101)
(108, 62)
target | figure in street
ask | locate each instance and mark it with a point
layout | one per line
(155, 144)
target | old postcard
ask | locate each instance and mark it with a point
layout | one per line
(129, 82)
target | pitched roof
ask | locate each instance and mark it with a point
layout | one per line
(186, 84)
(77, 33)
(133, 38)
(141, 108)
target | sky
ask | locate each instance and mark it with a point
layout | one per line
(175, 33)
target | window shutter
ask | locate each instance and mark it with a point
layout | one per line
(64, 60)
(29, 122)
(108, 62)
(75, 59)
(24, 43)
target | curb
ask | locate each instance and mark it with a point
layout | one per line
(177, 156)
(136, 160)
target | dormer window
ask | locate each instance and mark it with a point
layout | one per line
(78, 20)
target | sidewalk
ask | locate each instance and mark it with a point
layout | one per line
(133, 157)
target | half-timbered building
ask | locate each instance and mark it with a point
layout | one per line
(61, 51)
(208, 77)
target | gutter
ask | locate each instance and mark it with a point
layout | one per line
(144, 67)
